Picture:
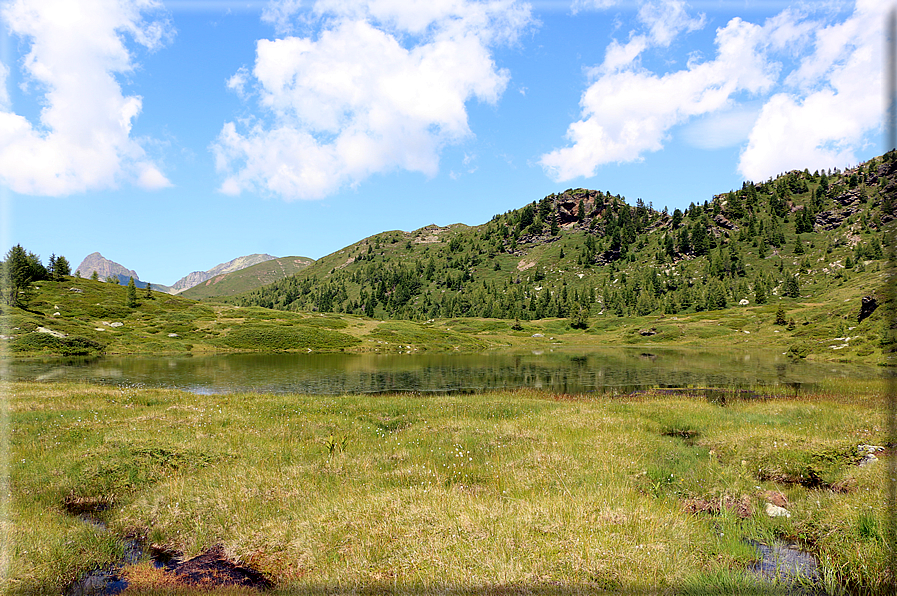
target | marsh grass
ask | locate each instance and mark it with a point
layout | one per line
(504, 492)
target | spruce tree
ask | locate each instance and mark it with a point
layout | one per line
(132, 293)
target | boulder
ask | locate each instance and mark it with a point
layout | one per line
(776, 511)
(867, 307)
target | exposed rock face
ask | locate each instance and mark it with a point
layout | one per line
(867, 307)
(104, 267)
(197, 277)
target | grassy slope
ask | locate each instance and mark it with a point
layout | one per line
(500, 491)
(247, 279)
(201, 327)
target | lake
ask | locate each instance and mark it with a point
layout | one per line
(600, 370)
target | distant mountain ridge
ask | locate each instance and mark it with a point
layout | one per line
(243, 280)
(197, 277)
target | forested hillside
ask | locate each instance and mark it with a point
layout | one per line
(584, 253)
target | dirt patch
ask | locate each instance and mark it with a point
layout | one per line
(741, 507)
(776, 498)
(213, 569)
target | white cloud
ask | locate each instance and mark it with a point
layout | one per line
(83, 140)
(666, 19)
(4, 92)
(819, 114)
(356, 100)
(629, 112)
(831, 104)
(238, 81)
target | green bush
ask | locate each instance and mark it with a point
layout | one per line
(270, 337)
(66, 346)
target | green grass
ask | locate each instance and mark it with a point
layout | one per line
(171, 325)
(498, 491)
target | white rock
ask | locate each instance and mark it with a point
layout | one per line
(538, 335)
(55, 314)
(776, 511)
(116, 324)
(743, 302)
(51, 332)
(172, 335)
(869, 459)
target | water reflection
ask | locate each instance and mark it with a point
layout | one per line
(614, 370)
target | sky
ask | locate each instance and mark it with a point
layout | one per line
(174, 135)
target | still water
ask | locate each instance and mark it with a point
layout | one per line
(608, 370)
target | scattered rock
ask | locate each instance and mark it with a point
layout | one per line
(867, 307)
(868, 454)
(116, 324)
(776, 511)
(172, 335)
(50, 331)
(648, 332)
(55, 314)
(76, 290)
(538, 335)
(743, 302)
(722, 222)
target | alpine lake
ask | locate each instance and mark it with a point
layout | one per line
(609, 370)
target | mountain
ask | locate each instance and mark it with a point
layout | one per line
(104, 268)
(810, 241)
(236, 282)
(197, 277)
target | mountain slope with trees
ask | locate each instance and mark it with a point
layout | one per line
(808, 238)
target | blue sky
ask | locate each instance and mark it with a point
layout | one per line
(175, 135)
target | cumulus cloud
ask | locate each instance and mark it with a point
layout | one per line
(831, 102)
(382, 86)
(83, 139)
(818, 114)
(628, 112)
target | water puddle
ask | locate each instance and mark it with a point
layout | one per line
(210, 569)
(787, 564)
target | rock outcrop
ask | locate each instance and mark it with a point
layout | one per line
(104, 268)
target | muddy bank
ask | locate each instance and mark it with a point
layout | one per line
(211, 569)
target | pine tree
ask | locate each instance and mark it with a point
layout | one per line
(792, 287)
(63, 268)
(132, 293)
(780, 317)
